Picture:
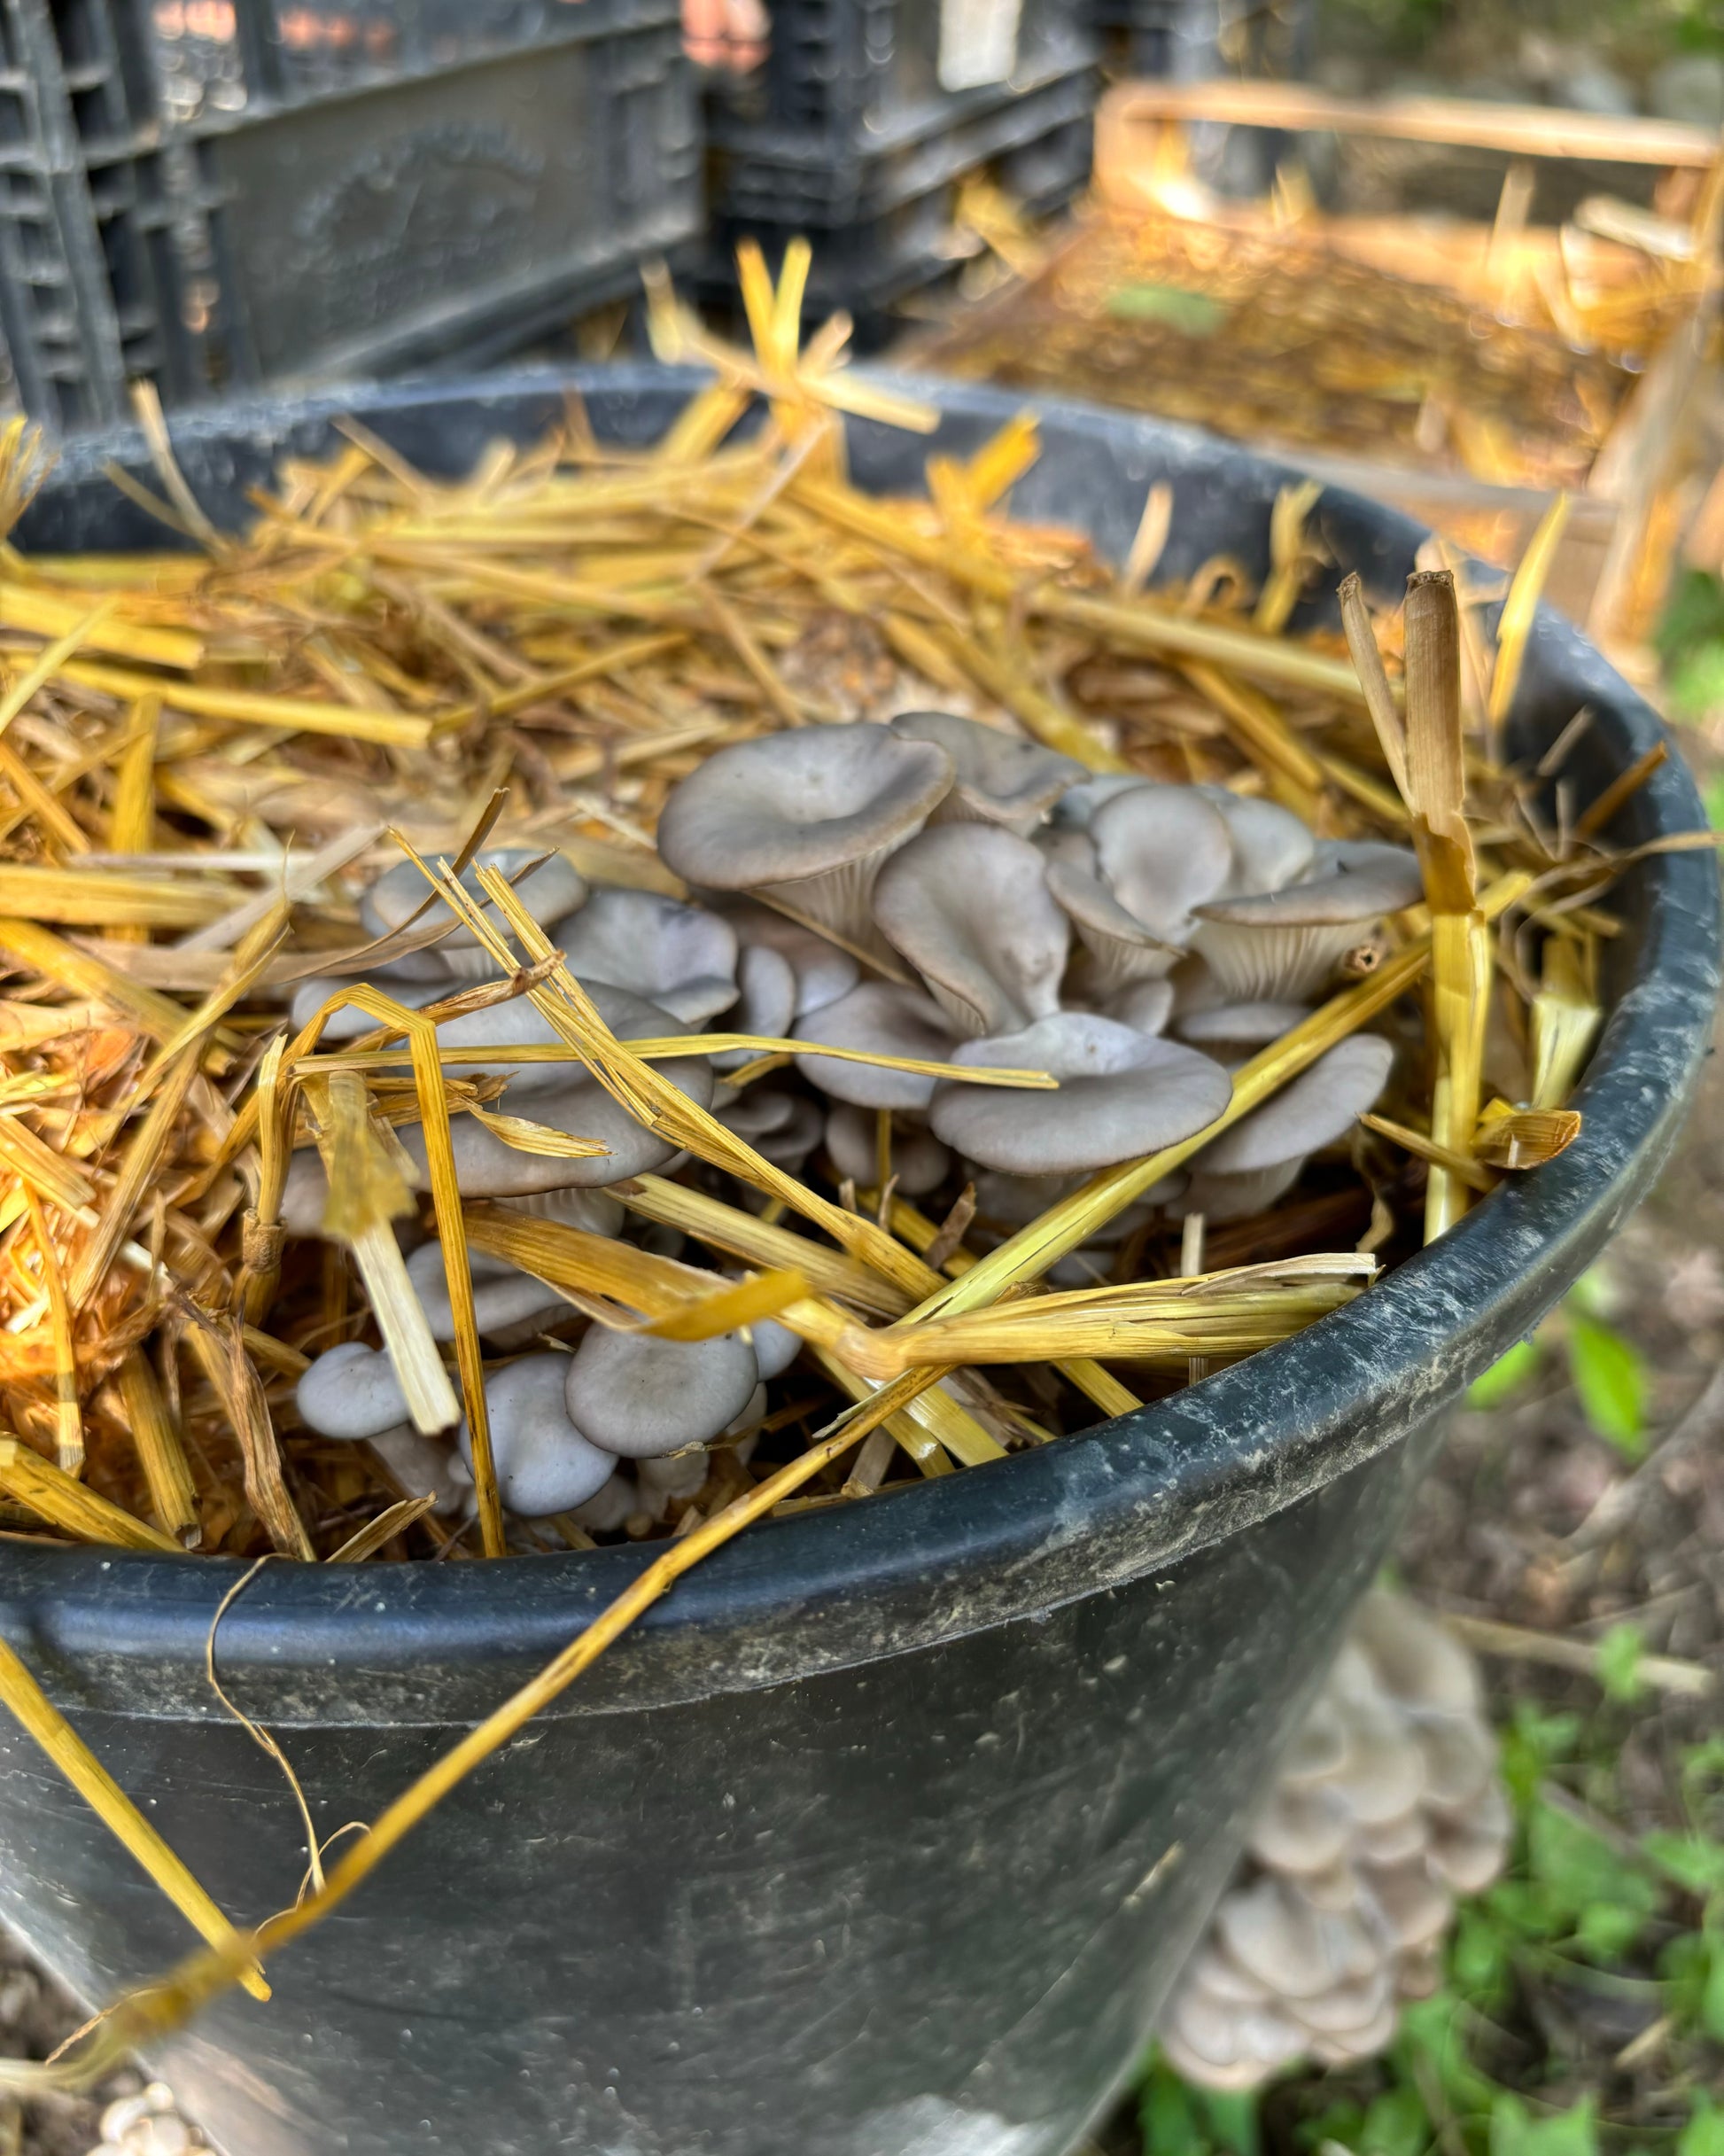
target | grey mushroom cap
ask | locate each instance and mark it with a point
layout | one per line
(893, 1020)
(1286, 944)
(1321, 1105)
(766, 1000)
(783, 1127)
(1240, 1024)
(544, 1462)
(1143, 1005)
(680, 957)
(775, 1346)
(919, 1162)
(349, 1022)
(1270, 845)
(425, 1468)
(1121, 949)
(1161, 851)
(808, 816)
(555, 888)
(1079, 802)
(968, 905)
(504, 1297)
(611, 1505)
(350, 1391)
(641, 1398)
(1000, 777)
(824, 972)
(1123, 1094)
(563, 1096)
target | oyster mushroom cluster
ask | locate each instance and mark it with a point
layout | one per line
(934, 889)
(1386, 1809)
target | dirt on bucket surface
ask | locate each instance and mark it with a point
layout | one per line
(1531, 1519)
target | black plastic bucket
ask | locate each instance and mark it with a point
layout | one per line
(885, 1833)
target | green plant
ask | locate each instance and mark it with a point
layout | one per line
(1606, 1370)
(1586, 1909)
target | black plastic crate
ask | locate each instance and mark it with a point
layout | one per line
(224, 192)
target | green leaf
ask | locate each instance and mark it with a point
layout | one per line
(1712, 1999)
(1515, 2132)
(1168, 2116)
(1610, 1381)
(1605, 1930)
(1620, 1652)
(1713, 794)
(1232, 2119)
(1703, 2135)
(1693, 1861)
(1586, 1881)
(1509, 1375)
(1193, 314)
(1395, 2124)
(1480, 1956)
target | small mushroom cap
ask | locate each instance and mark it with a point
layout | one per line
(1122, 1094)
(641, 1396)
(1417, 1909)
(1270, 845)
(1143, 1005)
(565, 1097)
(544, 1463)
(968, 905)
(783, 1128)
(1350, 885)
(680, 957)
(1349, 2010)
(1121, 949)
(1161, 851)
(520, 1023)
(349, 1022)
(1321, 1105)
(350, 1391)
(1239, 1025)
(549, 891)
(1300, 1831)
(788, 807)
(891, 1020)
(919, 1162)
(1276, 1936)
(775, 1346)
(1414, 1659)
(425, 1468)
(1001, 778)
(503, 1296)
(1079, 802)
(609, 1506)
(824, 972)
(766, 1003)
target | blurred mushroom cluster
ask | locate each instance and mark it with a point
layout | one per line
(933, 889)
(1386, 1809)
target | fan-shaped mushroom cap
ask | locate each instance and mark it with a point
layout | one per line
(565, 1097)
(1159, 850)
(1300, 1831)
(1282, 945)
(680, 957)
(1276, 1936)
(609, 1506)
(1143, 1005)
(783, 1128)
(1001, 778)
(350, 1391)
(775, 1346)
(667, 1482)
(1270, 845)
(1230, 1029)
(807, 816)
(544, 1463)
(894, 1021)
(425, 1468)
(1250, 1167)
(641, 1396)
(1079, 802)
(1414, 1659)
(1350, 2010)
(347, 1023)
(549, 891)
(967, 904)
(506, 1301)
(1122, 1094)
(766, 1001)
(823, 971)
(596, 1212)
(919, 1162)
